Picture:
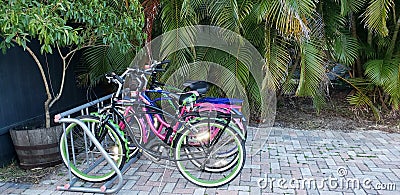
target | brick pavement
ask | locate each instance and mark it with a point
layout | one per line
(293, 161)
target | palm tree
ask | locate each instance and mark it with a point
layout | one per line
(298, 40)
(368, 47)
(286, 33)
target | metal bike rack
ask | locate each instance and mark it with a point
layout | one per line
(65, 118)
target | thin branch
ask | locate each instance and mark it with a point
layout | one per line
(70, 59)
(56, 98)
(46, 85)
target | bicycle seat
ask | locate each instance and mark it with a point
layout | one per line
(200, 86)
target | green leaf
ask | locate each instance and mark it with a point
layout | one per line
(345, 49)
(379, 71)
(9, 38)
(312, 70)
(376, 15)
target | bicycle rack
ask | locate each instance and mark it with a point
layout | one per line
(65, 118)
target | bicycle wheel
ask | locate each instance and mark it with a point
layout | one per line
(130, 123)
(133, 130)
(84, 158)
(220, 114)
(227, 160)
(209, 161)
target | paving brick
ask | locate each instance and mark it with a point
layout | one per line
(392, 177)
(381, 170)
(359, 192)
(155, 177)
(351, 153)
(169, 187)
(199, 191)
(183, 191)
(355, 170)
(129, 184)
(275, 166)
(305, 171)
(287, 154)
(33, 191)
(239, 188)
(330, 162)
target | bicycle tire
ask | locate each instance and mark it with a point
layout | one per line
(134, 131)
(229, 153)
(205, 175)
(90, 165)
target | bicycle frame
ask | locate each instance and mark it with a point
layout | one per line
(144, 111)
(215, 104)
(148, 114)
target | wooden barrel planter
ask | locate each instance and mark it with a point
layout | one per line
(37, 147)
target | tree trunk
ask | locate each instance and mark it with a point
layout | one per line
(150, 10)
(389, 52)
(369, 38)
(47, 112)
(358, 68)
(46, 86)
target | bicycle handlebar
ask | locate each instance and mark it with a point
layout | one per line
(159, 70)
(150, 70)
(119, 79)
(112, 77)
(160, 63)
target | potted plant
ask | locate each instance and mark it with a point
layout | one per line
(64, 27)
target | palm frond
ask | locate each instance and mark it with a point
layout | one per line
(277, 60)
(376, 15)
(245, 7)
(335, 23)
(382, 43)
(345, 49)
(289, 17)
(360, 84)
(393, 89)
(392, 83)
(380, 70)
(98, 60)
(367, 51)
(253, 28)
(189, 71)
(347, 6)
(359, 99)
(174, 15)
(290, 85)
(225, 14)
(188, 13)
(178, 37)
(312, 69)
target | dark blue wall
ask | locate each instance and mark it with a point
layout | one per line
(22, 92)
